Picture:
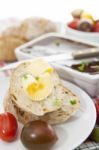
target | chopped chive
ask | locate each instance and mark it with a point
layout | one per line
(73, 102)
(25, 76)
(82, 67)
(57, 43)
(28, 52)
(57, 102)
(37, 78)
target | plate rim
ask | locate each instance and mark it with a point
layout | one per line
(92, 103)
(75, 87)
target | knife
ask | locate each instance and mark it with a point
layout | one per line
(79, 54)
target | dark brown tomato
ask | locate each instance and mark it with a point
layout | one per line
(38, 135)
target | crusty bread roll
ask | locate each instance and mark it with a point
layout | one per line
(14, 31)
(27, 30)
(18, 103)
(31, 28)
(7, 47)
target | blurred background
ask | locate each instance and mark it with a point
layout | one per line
(24, 20)
(57, 10)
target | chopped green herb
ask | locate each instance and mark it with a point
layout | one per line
(57, 102)
(82, 67)
(37, 78)
(57, 43)
(73, 101)
(28, 52)
(25, 76)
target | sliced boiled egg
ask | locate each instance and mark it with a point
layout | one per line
(27, 79)
(40, 66)
(37, 88)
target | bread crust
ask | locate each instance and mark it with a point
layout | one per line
(55, 117)
(7, 47)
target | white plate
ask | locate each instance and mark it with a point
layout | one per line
(72, 133)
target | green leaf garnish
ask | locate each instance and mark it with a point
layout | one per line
(82, 67)
(73, 101)
(57, 102)
(25, 76)
(57, 43)
(28, 52)
(37, 78)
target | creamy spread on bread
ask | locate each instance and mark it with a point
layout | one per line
(36, 91)
(38, 86)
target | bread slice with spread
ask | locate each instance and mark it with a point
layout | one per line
(36, 92)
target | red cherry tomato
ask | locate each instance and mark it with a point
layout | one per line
(8, 127)
(97, 111)
(73, 24)
(97, 100)
(96, 27)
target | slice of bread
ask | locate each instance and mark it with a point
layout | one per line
(18, 103)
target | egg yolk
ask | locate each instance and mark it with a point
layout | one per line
(35, 87)
(50, 70)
